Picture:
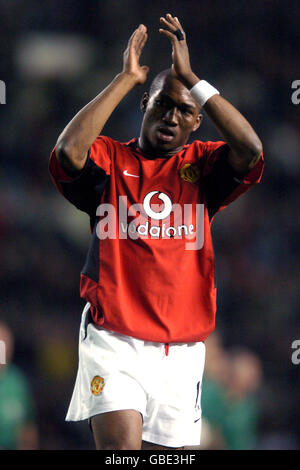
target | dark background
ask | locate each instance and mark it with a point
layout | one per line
(55, 57)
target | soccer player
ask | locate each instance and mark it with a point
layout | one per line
(148, 278)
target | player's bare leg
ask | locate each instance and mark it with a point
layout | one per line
(118, 430)
(149, 446)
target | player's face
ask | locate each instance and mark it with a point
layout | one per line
(171, 115)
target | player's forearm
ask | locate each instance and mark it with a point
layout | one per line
(243, 141)
(75, 140)
(245, 145)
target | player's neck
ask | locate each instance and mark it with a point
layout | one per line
(153, 152)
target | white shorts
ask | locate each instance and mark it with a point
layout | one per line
(118, 372)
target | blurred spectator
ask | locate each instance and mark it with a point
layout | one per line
(213, 399)
(230, 408)
(18, 429)
(241, 419)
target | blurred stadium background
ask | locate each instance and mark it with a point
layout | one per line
(55, 57)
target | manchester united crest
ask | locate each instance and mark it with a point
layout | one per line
(190, 173)
(97, 385)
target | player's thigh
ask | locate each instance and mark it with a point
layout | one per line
(117, 430)
(149, 446)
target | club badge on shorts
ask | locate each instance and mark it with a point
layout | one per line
(190, 173)
(97, 385)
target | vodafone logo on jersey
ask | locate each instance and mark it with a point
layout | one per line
(156, 218)
(157, 215)
(162, 213)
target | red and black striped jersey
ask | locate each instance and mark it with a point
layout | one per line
(149, 271)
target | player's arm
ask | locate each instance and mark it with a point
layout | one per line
(74, 142)
(245, 145)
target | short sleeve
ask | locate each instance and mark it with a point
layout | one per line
(84, 191)
(221, 184)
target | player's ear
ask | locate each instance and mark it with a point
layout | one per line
(144, 101)
(198, 122)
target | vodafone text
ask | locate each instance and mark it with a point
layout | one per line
(152, 220)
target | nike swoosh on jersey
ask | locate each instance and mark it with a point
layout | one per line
(125, 172)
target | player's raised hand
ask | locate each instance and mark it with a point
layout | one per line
(173, 30)
(131, 56)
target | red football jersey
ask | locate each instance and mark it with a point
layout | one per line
(149, 271)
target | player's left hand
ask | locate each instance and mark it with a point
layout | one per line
(181, 67)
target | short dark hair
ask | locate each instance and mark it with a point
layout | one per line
(157, 81)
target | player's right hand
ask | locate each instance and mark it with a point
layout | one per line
(131, 56)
